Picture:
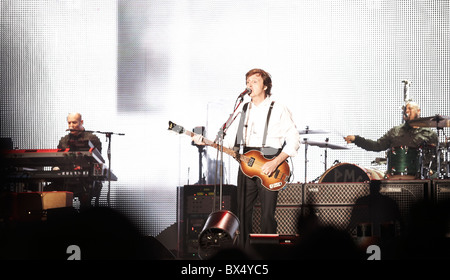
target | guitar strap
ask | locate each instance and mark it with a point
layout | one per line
(267, 124)
(240, 133)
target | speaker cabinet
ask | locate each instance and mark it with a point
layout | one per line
(287, 213)
(347, 205)
(441, 196)
(31, 205)
(286, 217)
(441, 190)
(194, 204)
(344, 205)
(333, 194)
(406, 193)
(332, 204)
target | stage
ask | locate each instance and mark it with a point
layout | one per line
(342, 68)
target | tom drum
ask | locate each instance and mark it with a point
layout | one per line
(403, 161)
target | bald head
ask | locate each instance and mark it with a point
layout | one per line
(75, 122)
(413, 105)
(412, 110)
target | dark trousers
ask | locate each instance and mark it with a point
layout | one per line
(249, 189)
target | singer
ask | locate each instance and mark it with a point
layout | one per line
(266, 126)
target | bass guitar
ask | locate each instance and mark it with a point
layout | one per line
(251, 162)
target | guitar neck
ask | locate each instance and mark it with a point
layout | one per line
(210, 143)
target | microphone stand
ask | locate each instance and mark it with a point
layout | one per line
(108, 139)
(219, 139)
(406, 98)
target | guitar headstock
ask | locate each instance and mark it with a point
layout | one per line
(177, 128)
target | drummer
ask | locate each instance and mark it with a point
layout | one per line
(403, 135)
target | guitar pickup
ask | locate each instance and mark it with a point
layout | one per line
(275, 175)
(251, 161)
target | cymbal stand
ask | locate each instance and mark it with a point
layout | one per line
(306, 151)
(438, 148)
(447, 160)
(326, 152)
(421, 165)
(306, 157)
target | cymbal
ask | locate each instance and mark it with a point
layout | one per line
(311, 131)
(326, 145)
(435, 121)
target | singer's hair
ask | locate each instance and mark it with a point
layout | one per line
(264, 75)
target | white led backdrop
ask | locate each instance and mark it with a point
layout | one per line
(131, 66)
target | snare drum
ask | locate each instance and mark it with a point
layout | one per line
(403, 161)
(347, 172)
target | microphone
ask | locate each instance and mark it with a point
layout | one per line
(405, 115)
(246, 91)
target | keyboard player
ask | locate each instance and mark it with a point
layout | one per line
(78, 139)
(77, 134)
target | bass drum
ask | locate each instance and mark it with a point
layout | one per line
(347, 172)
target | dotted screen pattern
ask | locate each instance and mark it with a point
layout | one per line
(130, 66)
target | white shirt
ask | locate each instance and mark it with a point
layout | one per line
(281, 128)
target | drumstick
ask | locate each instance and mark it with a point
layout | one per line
(340, 134)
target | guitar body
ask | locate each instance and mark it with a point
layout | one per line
(251, 164)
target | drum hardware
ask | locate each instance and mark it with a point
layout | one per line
(438, 122)
(325, 145)
(305, 141)
(379, 161)
(447, 154)
(310, 131)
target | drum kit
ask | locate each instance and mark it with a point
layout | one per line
(403, 163)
